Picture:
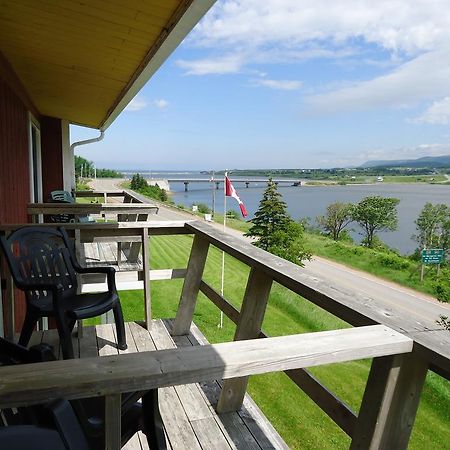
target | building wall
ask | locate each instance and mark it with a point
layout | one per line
(14, 157)
(15, 189)
(52, 158)
(14, 173)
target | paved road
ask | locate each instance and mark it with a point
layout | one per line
(423, 308)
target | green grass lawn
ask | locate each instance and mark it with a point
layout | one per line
(392, 267)
(300, 422)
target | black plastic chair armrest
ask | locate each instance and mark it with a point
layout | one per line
(100, 269)
(108, 270)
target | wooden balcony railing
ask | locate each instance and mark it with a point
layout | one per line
(396, 377)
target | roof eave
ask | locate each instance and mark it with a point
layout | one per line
(182, 22)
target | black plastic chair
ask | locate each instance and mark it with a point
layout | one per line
(88, 422)
(43, 264)
(66, 197)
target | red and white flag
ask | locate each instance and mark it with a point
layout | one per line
(230, 191)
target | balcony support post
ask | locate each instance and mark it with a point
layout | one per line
(10, 319)
(191, 286)
(390, 403)
(113, 422)
(249, 327)
(146, 274)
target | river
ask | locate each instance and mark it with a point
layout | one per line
(311, 201)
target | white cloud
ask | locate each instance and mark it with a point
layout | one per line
(423, 78)
(407, 40)
(220, 65)
(161, 103)
(284, 85)
(397, 25)
(136, 104)
(437, 114)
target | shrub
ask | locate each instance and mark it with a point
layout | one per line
(393, 261)
(232, 214)
(203, 209)
(442, 290)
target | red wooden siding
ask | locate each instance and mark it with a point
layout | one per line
(14, 162)
(14, 170)
(51, 151)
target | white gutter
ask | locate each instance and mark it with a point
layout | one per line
(71, 173)
(87, 141)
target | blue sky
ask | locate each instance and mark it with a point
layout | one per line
(298, 83)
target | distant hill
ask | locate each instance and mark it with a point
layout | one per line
(427, 161)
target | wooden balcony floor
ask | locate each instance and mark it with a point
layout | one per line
(188, 411)
(105, 254)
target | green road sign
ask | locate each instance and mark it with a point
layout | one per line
(433, 256)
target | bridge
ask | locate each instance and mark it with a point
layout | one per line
(235, 181)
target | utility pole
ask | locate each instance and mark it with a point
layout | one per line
(213, 195)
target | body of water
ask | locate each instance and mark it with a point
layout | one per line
(311, 201)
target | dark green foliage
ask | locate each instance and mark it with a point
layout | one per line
(442, 286)
(108, 173)
(275, 231)
(82, 164)
(433, 227)
(139, 184)
(337, 217)
(203, 209)
(270, 217)
(375, 214)
(232, 214)
(163, 195)
(444, 322)
(394, 261)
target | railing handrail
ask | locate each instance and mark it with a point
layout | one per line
(113, 227)
(91, 208)
(346, 305)
(90, 377)
(266, 268)
(97, 193)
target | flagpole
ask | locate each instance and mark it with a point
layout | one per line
(223, 253)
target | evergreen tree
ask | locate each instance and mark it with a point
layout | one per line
(275, 231)
(270, 218)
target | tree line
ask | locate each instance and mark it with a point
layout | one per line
(86, 169)
(375, 214)
(139, 184)
(275, 231)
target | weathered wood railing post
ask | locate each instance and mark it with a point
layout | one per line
(146, 277)
(191, 286)
(249, 326)
(78, 244)
(390, 403)
(135, 247)
(113, 421)
(10, 316)
(121, 246)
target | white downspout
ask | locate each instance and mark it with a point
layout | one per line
(85, 142)
(88, 141)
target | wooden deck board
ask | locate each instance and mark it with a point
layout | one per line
(94, 254)
(188, 411)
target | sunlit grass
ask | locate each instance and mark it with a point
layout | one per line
(301, 423)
